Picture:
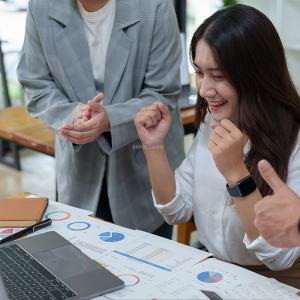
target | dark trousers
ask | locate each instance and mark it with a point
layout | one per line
(104, 213)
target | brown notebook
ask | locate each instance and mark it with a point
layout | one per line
(21, 212)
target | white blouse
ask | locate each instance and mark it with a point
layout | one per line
(201, 191)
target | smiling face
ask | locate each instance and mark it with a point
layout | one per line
(213, 86)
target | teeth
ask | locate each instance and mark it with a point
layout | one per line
(218, 103)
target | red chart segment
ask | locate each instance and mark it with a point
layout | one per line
(7, 231)
(217, 277)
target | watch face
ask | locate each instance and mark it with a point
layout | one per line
(246, 186)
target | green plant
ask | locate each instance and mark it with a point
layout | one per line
(229, 2)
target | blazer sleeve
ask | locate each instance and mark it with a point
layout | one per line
(46, 101)
(162, 80)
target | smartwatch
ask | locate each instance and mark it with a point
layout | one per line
(243, 188)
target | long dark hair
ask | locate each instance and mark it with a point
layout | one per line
(249, 53)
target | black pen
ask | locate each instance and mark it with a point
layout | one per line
(27, 230)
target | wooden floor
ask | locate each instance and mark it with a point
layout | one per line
(37, 175)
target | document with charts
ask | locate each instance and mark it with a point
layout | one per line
(146, 261)
(96, 238)
(61, 214)
(211, 275)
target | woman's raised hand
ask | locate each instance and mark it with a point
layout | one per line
(226, 145)
(152, 124)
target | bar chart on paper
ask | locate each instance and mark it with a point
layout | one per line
(153, 256)
(145, 261)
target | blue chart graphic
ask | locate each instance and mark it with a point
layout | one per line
(77, 226)
(143, 261)
(111, 236)
(210, 277)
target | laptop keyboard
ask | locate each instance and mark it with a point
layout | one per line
(25, 278)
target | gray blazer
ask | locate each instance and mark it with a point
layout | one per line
(142, 66)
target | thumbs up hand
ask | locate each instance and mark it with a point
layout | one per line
(277, 216)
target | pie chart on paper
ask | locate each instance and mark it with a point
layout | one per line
(58, 215)
(210, 277)
(78, 226)
(129, 279)
(111, 237)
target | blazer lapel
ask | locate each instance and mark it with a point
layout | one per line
(127, 14)
(73, 48)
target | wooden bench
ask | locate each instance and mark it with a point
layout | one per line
(16, 125)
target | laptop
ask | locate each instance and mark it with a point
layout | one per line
(3, 293)
(48, 267)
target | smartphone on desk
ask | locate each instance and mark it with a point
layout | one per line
(211, 295)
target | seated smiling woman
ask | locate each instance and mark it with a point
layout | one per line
(248, 109)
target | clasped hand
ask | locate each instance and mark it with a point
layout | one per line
(90, 121)
(226, 145)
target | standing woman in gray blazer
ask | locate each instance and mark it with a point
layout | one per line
(130, 51)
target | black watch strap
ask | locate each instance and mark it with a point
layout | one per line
(299, 226)
(243, 188)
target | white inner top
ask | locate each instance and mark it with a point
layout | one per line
(98, 27)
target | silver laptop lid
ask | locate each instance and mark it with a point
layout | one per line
(56, 260)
